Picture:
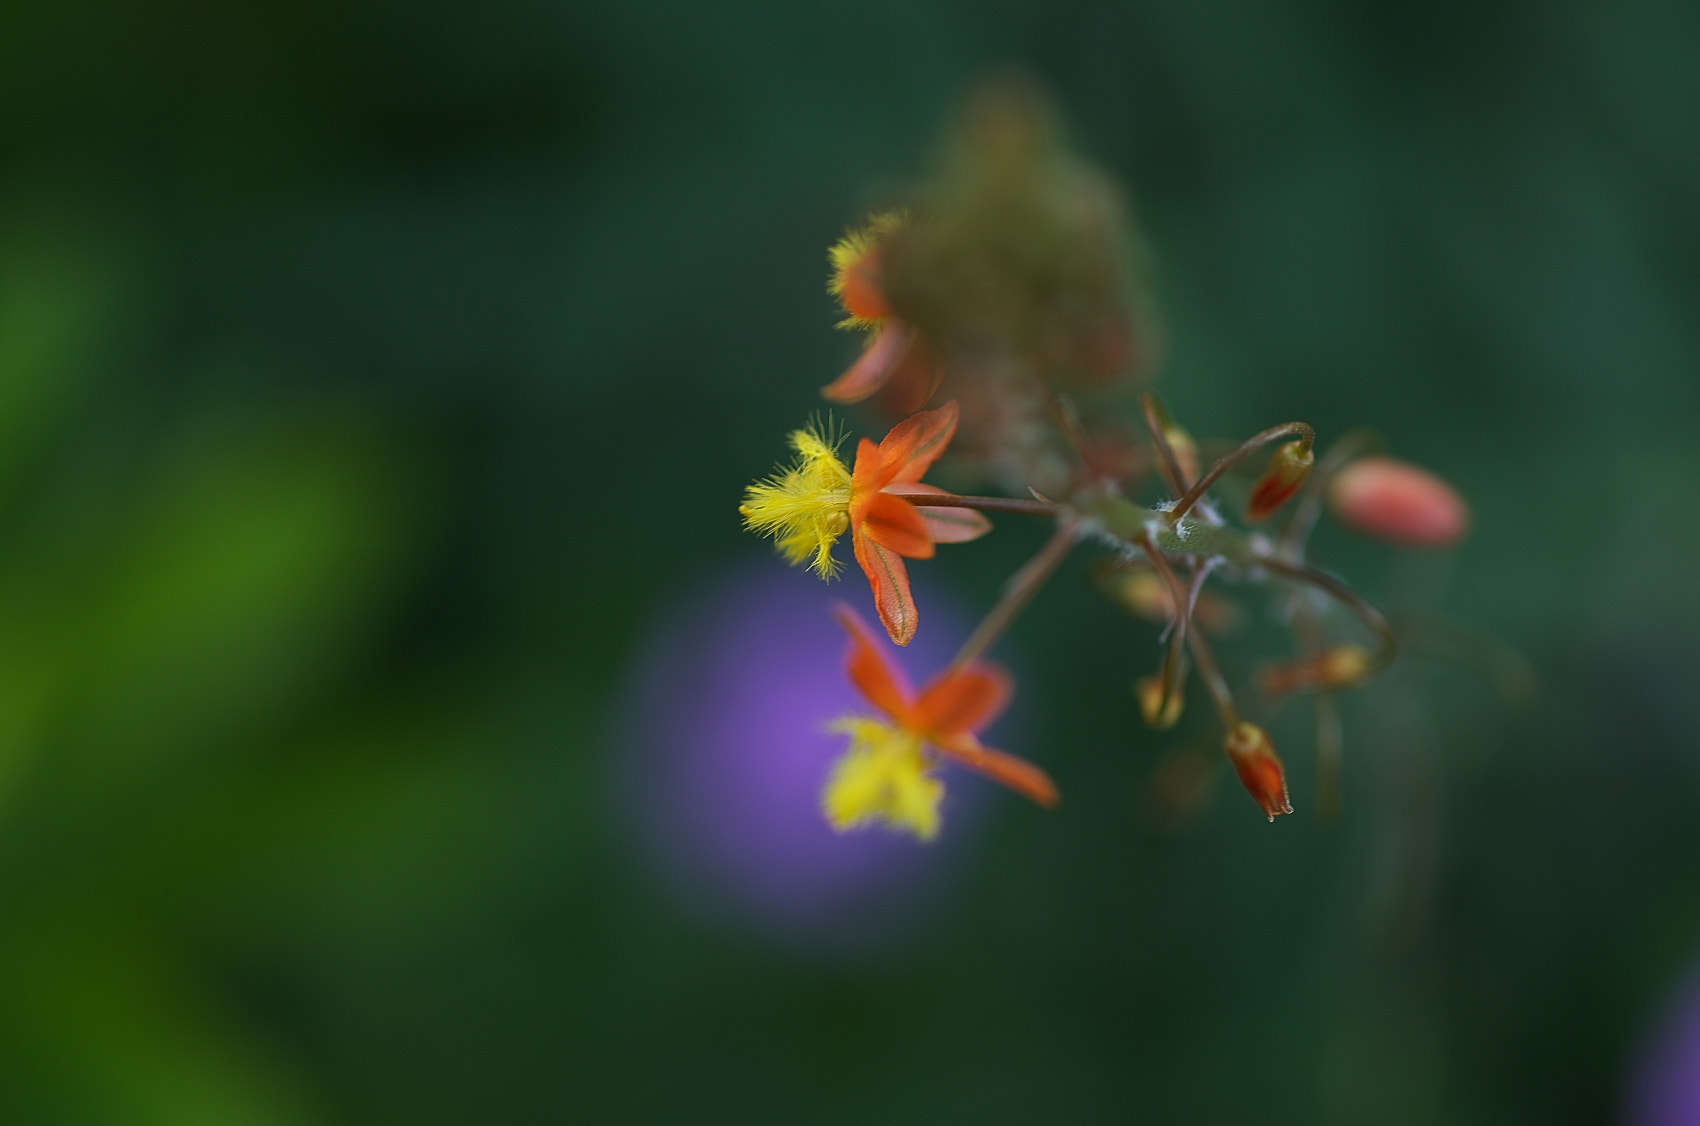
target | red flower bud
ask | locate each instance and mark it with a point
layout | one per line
(1259, 768)
(1287, 471)
(1398, 502)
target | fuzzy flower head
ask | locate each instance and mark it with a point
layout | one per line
(805, 506)
(856, 271)
(885, 777)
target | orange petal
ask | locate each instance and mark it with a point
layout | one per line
(944, 525)
(890, 581)
(885, 351)
(894, 523)
(963, 700)
(1016, 773)
(875, 676)
(915, 443)
(914, 380)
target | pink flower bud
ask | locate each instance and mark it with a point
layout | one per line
(1398, 502)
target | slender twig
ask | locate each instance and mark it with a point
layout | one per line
(984, 504)
(1020, 589)
(1156, 417)
(1309, 505)
(1386, 643)
(1246, 448)
(1208, 669)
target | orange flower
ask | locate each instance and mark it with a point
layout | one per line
(886, 773)
(895, 356)
(886, 528)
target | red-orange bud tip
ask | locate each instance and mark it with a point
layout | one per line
(1259, 768)
(1398, 502)
(1286, 473)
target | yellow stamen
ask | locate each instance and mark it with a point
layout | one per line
(805, 506)
(882, 778)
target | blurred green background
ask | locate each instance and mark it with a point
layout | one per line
(371, 374)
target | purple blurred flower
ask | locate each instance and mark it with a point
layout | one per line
(723, 753)
(1665, 1087)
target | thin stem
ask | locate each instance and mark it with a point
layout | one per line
(1020, 589)
(1156, 416)
(1208, 669)
(1250, 446)
(1068, 421)
(1309, 505)
(984, 504)
(1386, 643)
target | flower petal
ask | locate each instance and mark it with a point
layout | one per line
(889, 579)
(945, 525)
(885, 351)
(915, 443)
(963, 700)
(894, 523)
(875, 675)
(1016, 773)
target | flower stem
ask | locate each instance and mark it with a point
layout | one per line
(1157, 418)
(1386, 643)
(1208, 669)
(1020, 589)
(985, 504)
(1309, 506)
(1250, 446)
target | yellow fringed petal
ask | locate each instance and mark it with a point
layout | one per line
(882, 778)
(805, 506)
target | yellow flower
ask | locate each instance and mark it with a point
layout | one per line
(882, 777)
(805, 507)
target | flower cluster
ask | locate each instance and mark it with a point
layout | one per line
(1007, 296)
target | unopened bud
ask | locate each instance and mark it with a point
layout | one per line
(1398, 502)
(1185, 451)
(1158, 714)
(1259, 768)
(1286, 473)
(1340, 667)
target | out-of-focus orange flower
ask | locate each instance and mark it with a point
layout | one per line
(896, 357)
(886, 528)
(886, 774)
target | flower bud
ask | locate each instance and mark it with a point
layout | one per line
(1158, 715)
(1259, 768)
(1185, 451)
(1287, 471)
(1398, 502)
(1340, 667)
